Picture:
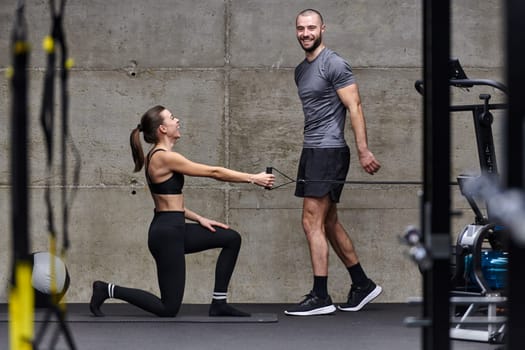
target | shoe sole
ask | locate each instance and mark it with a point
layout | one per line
(374, 294)
(320, 311)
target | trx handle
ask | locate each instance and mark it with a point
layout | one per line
(269, 170)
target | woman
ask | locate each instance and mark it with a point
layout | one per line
(169, 236)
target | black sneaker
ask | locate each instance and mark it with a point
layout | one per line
(359, 296)
(312, 305)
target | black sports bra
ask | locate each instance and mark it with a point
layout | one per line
(173, 185)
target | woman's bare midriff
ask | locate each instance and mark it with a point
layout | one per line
(168, 202)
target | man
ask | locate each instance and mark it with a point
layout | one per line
(327, 89)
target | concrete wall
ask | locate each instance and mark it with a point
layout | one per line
(225, 67)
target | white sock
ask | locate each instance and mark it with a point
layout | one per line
(219, 296)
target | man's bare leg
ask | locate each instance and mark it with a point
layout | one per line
(317, 302)
(363, 289)
(314, 216)
(339, 238)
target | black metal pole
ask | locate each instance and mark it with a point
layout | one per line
(436, 172)
(514, 172)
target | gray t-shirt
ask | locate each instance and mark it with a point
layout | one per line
(324, 113)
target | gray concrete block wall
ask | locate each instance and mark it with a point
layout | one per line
(225, 67)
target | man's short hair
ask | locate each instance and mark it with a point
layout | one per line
(309, 12)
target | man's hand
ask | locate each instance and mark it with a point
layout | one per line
(369, 162)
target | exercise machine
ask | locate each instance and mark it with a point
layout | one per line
(479, 257)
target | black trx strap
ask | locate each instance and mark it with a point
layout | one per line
(51, 43)
(21, 299)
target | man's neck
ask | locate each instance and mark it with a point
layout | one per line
(310, 56)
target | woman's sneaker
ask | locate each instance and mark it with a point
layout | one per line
(312, 305)
(359, 296)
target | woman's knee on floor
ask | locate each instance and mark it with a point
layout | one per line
(169, 310)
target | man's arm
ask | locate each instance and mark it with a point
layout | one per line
(349, 95)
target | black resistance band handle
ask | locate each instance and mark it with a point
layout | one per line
(269, 170)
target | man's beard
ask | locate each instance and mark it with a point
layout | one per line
(315, 45)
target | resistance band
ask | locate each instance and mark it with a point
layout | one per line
(290, 180)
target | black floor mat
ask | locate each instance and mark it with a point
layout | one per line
(123, 313)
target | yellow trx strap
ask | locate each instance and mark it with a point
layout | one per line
(21, 308)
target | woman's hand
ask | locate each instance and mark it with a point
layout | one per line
(263, 179)
(209, 224)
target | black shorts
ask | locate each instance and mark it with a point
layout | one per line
(326, 164)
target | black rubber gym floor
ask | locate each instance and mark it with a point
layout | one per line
(377, 327)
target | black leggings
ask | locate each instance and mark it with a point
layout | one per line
(169, 239)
